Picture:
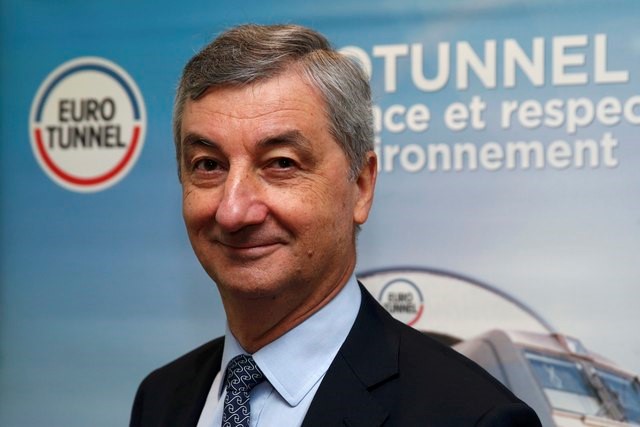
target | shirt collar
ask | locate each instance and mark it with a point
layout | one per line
(296, 361)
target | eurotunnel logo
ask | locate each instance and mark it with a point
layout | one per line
(403, 299)
(87, 124)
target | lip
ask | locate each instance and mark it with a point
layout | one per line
(249, 250)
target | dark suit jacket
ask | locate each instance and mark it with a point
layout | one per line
(385, 373)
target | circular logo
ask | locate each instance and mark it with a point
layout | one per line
(403, 299)
(87, 124)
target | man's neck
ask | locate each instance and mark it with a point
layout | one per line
(257, 322)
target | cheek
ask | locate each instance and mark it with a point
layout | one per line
(197, 210)
(326, 210)
(328, 192)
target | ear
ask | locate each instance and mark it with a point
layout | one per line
(366, 183)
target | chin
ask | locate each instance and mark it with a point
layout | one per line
(249, 285)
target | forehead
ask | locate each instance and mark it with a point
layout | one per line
(286, 100)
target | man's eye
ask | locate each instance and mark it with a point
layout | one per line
(206, 165)
(284, 163)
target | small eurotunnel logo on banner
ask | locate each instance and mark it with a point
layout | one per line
(87, 124)
(403, 299)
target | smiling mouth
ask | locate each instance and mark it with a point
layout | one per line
(249, 250)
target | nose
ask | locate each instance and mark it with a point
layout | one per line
(241, 204)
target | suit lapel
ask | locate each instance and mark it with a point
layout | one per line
(367, 359)
(342, 400)
(192, 392)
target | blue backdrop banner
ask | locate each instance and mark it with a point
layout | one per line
(509, 159)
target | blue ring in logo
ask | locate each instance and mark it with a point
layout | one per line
(89, 67)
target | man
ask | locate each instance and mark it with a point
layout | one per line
(274, 143)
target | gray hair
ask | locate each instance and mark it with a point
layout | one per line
(250, 53)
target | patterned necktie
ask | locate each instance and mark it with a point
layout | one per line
(242, 375)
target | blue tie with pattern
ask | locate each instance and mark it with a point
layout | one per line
(242, 375)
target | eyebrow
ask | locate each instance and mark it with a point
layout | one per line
(192, 141)
(195, 139)
(293, 138)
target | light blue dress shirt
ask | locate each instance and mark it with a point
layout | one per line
(294, 365)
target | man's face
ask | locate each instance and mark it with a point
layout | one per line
(267, 200)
